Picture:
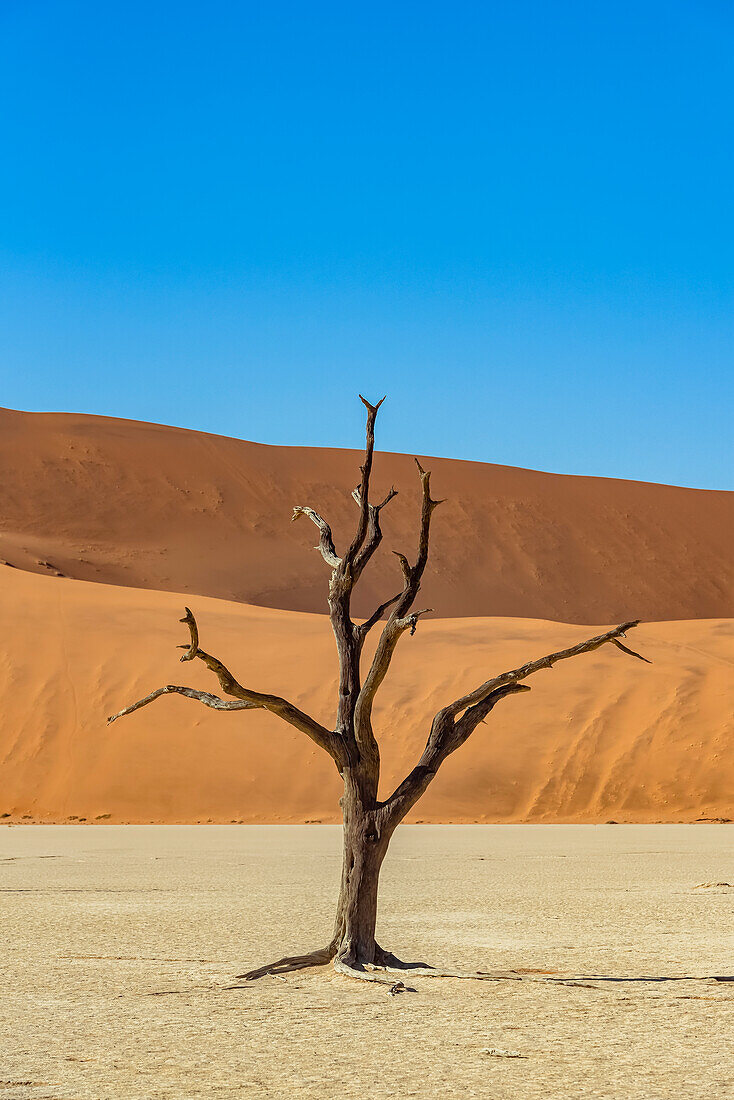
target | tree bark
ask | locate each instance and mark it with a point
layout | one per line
(365, 842)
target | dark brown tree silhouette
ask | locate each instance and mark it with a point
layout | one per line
(368, 822)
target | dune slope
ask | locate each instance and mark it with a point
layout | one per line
(161, 508)
(600, 737)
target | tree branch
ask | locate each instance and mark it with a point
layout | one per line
(359, 742)
(249, 700)
(449, 731)
(427, 508)
(412, 574)
(404, 566)
(544, 662)
(357, 496)
(442, 741)
(399, 620)
(326, 542)
(376, 615)
(411, 621)
(364, 488)
(204, 697)
(374, 531)
(626, 649)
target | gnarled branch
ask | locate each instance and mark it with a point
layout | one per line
(364, 488)
(410, 622)
(376, 615)
(248, 699)
(524, 671)
(631, 652)
(204, 697)
(454, 724)
(374, 531)
(357, 497)
(358, 740)
(404, 566)
(412, 574)
(399, 620)
(427, 509)
(326, 541)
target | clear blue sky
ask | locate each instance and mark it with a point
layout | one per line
(514, 218)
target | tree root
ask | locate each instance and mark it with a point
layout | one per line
(386, 965)
(385, 968)
(366, 972)
(291, 962)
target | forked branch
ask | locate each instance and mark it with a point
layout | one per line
(524, 671)
(374, 531)
(377, 615)
(400, 620)
(368, 534)
(454, 724)
(364, 487)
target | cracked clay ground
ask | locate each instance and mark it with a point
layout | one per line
(118, 943)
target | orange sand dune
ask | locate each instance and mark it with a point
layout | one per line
(162, 508)
(599, 737)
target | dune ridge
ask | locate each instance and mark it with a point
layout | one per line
(160, 508)
(600, 737)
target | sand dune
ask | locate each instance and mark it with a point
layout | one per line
(158, 516)
(160, 508)
(599, 737)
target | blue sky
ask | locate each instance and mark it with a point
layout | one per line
(515, 219)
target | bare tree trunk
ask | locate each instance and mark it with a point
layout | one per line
(364, 851)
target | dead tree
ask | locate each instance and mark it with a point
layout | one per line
(368, 822)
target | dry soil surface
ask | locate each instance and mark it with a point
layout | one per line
(119, 944)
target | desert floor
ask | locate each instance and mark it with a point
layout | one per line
(119, 943)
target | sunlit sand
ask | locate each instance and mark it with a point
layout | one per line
(119, 943)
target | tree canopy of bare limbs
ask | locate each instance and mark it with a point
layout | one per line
(369, 823)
